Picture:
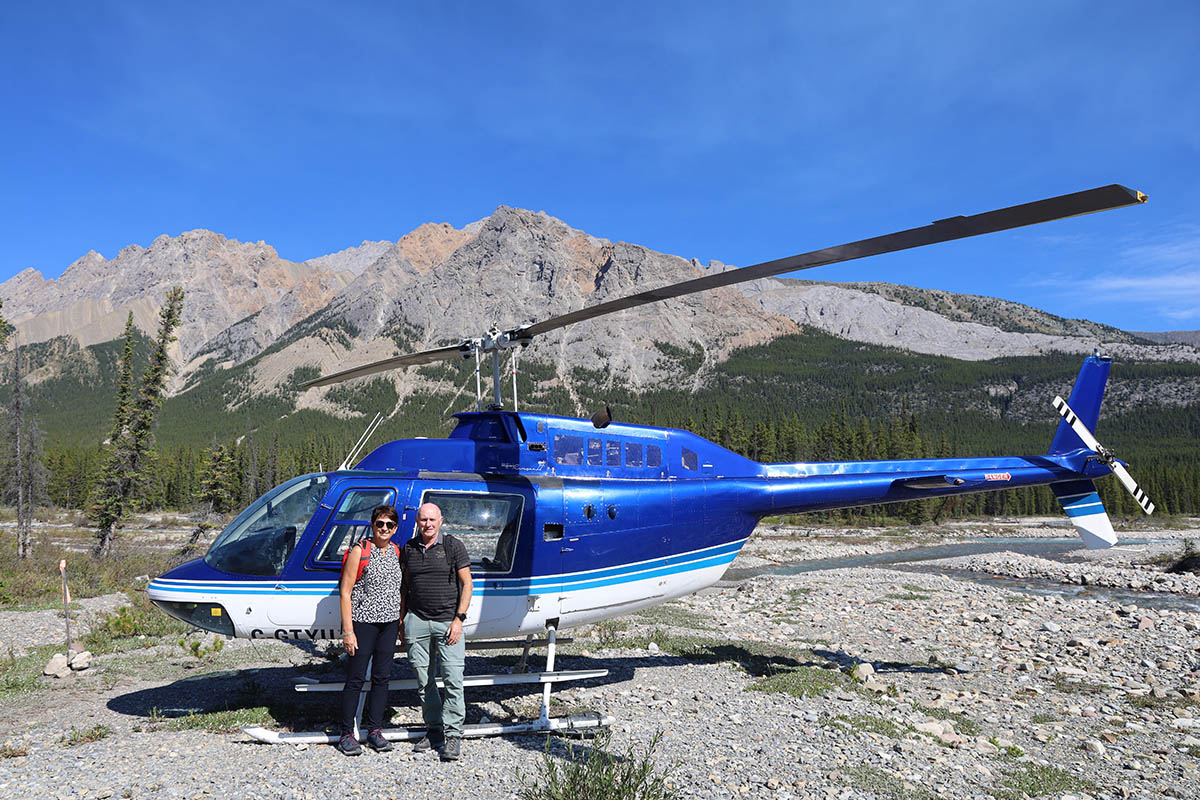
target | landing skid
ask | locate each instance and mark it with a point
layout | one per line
(543, 724)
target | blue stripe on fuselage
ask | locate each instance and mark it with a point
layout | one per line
(670, 565)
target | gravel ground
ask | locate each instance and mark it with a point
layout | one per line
(976, 692)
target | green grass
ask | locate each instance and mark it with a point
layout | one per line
(23, 674)
(803, 681)
(12, 751)
(1152, 702)
(1034, 780)
(906, 596)
(1011, 750)
(35, 582)
(122, 629)
(883, 784)
(596, 773)
(227, 721)
(873, 724)
(1046, 719)
(76, 736)
(675, 616)
(1066, 686)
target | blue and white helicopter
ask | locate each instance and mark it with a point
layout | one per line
(572, 521)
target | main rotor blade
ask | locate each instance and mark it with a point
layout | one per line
(1067, 205)
(1089, 441)
(424, 357)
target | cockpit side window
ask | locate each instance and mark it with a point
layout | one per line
(486, 523)
(690, 460)
(260, 540)
(352, 521)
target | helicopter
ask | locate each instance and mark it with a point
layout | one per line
(570, 522)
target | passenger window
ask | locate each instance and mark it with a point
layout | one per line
(568, 449)
(633, 454)
(486, 523)
(352, 521)
(690, 460)
(653, 455)
(612, 453)
(594, 454)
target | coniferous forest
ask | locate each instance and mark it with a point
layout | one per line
(810, 397)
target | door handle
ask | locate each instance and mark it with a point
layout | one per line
(567, 550)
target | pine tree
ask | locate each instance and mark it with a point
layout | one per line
(133, 425)
(25, 471)
(216, 478)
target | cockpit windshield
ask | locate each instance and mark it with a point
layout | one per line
(261, 538)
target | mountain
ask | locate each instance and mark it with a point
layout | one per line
(224, 280)
(256, 325)
(1191, 338)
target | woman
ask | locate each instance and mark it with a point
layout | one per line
(370, 595)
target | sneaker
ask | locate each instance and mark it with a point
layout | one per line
(377, 743)
(452, 749)
(428, 742)
(349, 745)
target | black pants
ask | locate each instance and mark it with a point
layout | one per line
(378, 640)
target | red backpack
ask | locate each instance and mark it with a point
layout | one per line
(366, 556)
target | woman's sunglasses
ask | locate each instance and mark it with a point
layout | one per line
(385, 524)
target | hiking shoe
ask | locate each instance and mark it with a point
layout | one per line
(349, 745)
(451, 749)
(428, 742)
(377, 743)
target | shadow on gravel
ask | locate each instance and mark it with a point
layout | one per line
(844, 661)
(273, 689)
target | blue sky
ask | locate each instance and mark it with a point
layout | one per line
(737, 132)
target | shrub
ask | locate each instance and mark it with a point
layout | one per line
(93, 734)
(598, 774)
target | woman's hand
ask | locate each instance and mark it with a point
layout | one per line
(351, 643)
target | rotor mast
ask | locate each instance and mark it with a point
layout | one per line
(494, 342)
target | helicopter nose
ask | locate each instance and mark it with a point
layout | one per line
(180, 592)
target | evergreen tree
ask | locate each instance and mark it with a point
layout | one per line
(25, 471)
(129, 452)
(217, 476)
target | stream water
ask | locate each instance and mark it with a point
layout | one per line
(1058, 549)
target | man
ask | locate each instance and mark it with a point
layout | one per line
(437, 592)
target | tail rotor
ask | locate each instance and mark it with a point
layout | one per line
(1103, 454)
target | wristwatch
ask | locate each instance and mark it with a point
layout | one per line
(461, 616)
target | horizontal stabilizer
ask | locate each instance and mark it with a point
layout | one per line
(1082, 506)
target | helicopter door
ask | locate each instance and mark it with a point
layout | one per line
(350, 521)
(495, 528)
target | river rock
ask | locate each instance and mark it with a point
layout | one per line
(862, 672)
(81, 661)
(57, 667)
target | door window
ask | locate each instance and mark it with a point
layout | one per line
(351, 521)
(486, 523)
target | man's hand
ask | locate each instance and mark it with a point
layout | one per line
(455, 632)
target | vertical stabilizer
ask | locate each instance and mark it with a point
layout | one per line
(1082, 505)
(1086, 395)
